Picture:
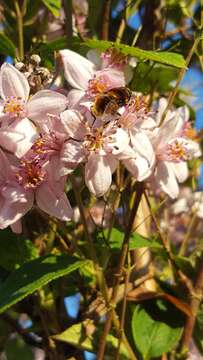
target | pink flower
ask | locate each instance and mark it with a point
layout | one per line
(172, 152)
(39, 179)
(100, 147)
(137, 122)
(87, 82)
(14, 200)
(17, 132)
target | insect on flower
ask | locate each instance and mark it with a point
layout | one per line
(109, 102)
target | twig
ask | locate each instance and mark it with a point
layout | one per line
(19, 16)
(106, 16)
(183, 278)
(121, 30)
(51, 351)
(124, 251)
(27, 337)
(123, 310)
(98, 270)
(188, 234)
(67, 4)
(179, 79)
(194, 305)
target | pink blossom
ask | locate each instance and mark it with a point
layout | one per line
(86, 81)
(17, 132)
(172, 152)
(39, 179)
(137, 122)
(100, 147)
(14, 199)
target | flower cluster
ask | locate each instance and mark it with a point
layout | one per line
(45, 136)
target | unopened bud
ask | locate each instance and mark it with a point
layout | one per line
(19, 65)
(35, 59)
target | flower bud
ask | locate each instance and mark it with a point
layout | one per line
(36, 59)
(19, 65)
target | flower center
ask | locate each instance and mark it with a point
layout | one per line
(189, 132)
(135, 111)
(177, 151)
(97, 85)
(94, 142)
(30, 174)
(14, 106)
(47, 144)
(137, 104)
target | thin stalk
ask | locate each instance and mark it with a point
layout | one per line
(106, 20)
(121, 30)
(195, 302)
(182, 277)
(124, 251)
(188, 234)
(19, 17)
(180, 77)
(50, 345)
(67, 4)
(137, 34)
(98, 270)
(123, 310)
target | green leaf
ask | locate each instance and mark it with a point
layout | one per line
(33, 275)
(158, 77)
(164, 57)
(86, 337)
(7, 47)
(153, 334)
(136, 241)
(15, 250)
(47, 50)
(53, 5)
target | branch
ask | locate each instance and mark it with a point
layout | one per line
(29, 338)
(19, 16)
(180, 77)
(67, 4)
(124, 251)
(106, 16)
(194, 305)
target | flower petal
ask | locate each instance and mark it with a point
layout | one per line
(77, 69)
(139, 167)
(165, 178)
(98, 174)
(4, 167)
(44, 103)
(13, 83)
(181, 171)
(74, 97)
(73, 124)
(13, 193)
(29, 132)
(53, 204)
(117, 142)
(17, 227)
(10, 213)
(142, 145)
(9, 138)
(112, 78)
(168, 130)
(71, 155)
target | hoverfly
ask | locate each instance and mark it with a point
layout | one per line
(110, 101)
